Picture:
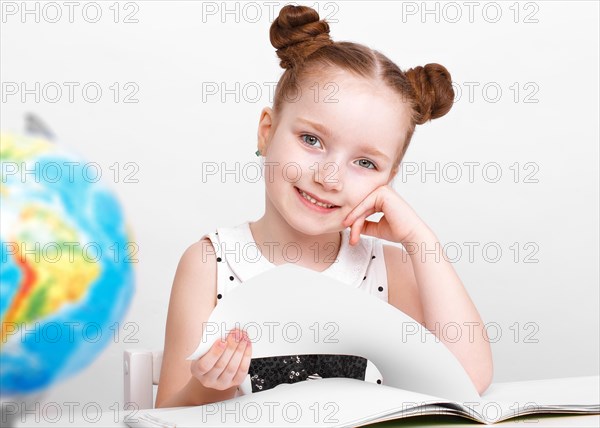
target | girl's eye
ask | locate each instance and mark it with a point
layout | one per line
(369, 163)
(313, 139)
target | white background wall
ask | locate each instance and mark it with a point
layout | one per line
(549, 211)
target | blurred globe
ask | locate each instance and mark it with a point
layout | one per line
(66, 273)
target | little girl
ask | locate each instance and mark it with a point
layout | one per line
(342, 119)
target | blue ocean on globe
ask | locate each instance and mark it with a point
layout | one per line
(67, 264)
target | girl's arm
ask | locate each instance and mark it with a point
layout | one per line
(193, 297)
(444, 302)
(441, 300)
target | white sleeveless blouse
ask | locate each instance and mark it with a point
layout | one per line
(239, 259)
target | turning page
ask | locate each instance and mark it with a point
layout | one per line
(291, 310)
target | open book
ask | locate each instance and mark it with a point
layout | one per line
(291, 310)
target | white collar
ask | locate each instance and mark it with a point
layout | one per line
(246, 260)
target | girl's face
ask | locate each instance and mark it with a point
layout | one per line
(336, 141)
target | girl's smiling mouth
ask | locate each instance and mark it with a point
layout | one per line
(316, 204)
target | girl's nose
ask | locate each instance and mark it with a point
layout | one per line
(329, 175)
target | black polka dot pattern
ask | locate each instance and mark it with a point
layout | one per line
(219, 296)
(219, 259)
(380, 288)
(231, 278)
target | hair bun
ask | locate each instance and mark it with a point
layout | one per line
(297, 33)
(433, 90)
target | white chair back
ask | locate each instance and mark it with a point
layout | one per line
(141, 371)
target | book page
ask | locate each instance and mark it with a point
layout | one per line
(327, 402)
(291, 310)
(503, 400)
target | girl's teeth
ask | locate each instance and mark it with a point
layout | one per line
(314, 201)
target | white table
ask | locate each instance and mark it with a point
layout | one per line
(113, 419)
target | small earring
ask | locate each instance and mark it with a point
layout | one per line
(257, 153)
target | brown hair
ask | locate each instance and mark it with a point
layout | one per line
(303, 44)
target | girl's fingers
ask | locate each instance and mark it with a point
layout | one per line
(232, 366)
(365, 205)
(355, 231)
(370, 228)
(358, 226)
(205, 363)
(244, 365)
(221, 363)
(359, 211)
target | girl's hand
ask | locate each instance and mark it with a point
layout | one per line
(399, 221)
(226, 364)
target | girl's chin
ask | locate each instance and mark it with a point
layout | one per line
(311, 227)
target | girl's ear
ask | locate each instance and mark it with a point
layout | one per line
(265, 127)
